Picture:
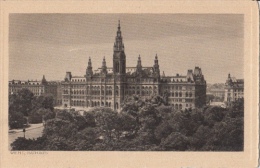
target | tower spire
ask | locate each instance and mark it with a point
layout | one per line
(156, 67)
(89, 71)
(139, 64)
(119, 57)
(104, 62)
(89, 62)
(104, 66)
(44, 81)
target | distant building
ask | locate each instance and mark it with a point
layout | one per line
(109, 86)
(219, 104)
(218, 92)
(234, 89)
(38, 88)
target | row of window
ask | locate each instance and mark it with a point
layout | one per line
(24, 83)
(128, 92)
(109, 104)
(237, 90)
(166, 87)
(173, 87)
(92, 104)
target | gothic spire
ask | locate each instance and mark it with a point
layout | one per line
(156, 66)
(118, 45)
(156, 61)
(139, 64)
(104, 66)
(44, 81)
(89, 63)
(104, 62)
(163, 74)
(89, 71)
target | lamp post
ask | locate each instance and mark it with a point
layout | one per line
(24, 131)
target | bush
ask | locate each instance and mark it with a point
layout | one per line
(16, 120)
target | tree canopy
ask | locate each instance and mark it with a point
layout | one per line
(143, 125)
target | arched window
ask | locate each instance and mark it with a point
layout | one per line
(116, 105)
(180, 94)
(117, 67)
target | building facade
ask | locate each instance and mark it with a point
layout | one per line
(38, 88)
(234, 89)
(109, 86)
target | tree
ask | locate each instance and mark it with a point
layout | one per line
(21, 102)
(43, 101)
(163, 130)
(90, 119)
(60, 128)
(16, 120)
(64, 115)
(41, 115)
(48, 114)
(175, 142)
(29, 144)
(213, 114)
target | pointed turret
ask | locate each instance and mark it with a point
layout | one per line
(139, 65)
(104, 66)
(163, 75)
(44, 81)
(89, 71)
(156, 67)
(118, 45)
(229, 80)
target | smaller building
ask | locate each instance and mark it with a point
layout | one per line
(38, 88)
(234, 89)
(218, 93)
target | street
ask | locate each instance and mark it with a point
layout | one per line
(34, 131)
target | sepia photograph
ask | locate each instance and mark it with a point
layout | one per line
(129, 84)
(146, 82)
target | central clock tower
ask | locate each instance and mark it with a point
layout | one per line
(119, 59)
(119, 69)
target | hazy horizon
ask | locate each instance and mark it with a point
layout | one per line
(51, 44)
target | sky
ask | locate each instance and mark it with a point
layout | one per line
(52, 44)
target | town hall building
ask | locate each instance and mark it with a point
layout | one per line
(109, 86)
